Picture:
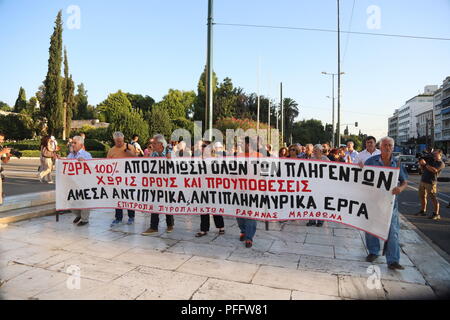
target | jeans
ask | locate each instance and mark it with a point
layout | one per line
(248, 227)
(204, 222)
(392, 245)
(154, 220)
(119, 214)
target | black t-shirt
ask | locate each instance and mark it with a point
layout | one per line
(430, 177)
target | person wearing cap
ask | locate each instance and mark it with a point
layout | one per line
(317, 155)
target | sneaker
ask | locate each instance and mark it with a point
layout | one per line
(149, 231)
(242, 237)
(130, 221)
(248, 243)
(82, 223)
(115, 223)
(169, 229)
(371, 257)
(51, 182)
(437, 217)
(311, 223)
(395, 266)
(432, 216)
(76, 219)
(420, 213)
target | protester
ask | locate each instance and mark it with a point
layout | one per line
(136, 145)
(351, 154)
(69, 145)
(181, 150)
(269, 150)
(317, 155)
(326, 149)
(370, 150)
(5, 156)
(308, 151)
(428, 183)
(392, 245)
(121, 150)
(248, 226)
(335, 155)
(149, 150)
(159, 150)
(48, 154)
(283, 153)
(83, 135)
(79, 152)
(218, 150)
(294, 151)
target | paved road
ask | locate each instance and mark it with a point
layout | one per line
(437, 231)
(21, 178)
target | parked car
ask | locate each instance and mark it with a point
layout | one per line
(410, 163)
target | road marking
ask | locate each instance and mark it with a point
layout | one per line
(439, 194)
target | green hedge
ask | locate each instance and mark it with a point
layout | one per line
(37, 153)
(91, 145)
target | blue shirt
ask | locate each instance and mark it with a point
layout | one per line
(80, 154)
(162, 154)
(378, 162)
(353, 155)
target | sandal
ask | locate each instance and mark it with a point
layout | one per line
(200, 234)
(221, 232)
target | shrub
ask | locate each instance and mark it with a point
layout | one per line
(17, 126)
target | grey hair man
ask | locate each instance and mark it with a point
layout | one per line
(78, 152)
(160, 149)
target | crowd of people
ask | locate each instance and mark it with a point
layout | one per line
(375, 154)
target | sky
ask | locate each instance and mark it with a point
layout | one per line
(151, 46)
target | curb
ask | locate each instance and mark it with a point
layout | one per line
(436, 248)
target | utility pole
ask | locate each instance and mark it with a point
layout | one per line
(282, 113)
(209, 72)
(64, 120)
(339, 79)
(258, 102)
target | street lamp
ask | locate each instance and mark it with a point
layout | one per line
(333, 98)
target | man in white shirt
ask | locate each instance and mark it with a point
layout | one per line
(351, 155)
(82, 216)
(370, 150)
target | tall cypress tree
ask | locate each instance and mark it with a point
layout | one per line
(21, 101)
(69, 95)
(53, 98)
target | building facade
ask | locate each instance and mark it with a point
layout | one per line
(406, 115)
(393, 126)
(441, 108)
(424, 123)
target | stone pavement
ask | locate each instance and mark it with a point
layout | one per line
(40, 259)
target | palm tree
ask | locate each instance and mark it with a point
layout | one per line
(290, 113)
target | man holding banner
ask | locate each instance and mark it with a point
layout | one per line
(392, 245)
(160, 149)
(78, 152)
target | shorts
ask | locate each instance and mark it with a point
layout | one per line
(427, 188)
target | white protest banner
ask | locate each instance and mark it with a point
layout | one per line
(268, 189)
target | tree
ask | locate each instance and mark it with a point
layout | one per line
(81, 103)
(140, 103)
(31, 106)
(21, 101)
(177, 103)
(200, 102)
(53, 97)
(69, 99)
(4, 106)
(225, 100)
(310, 131)
(290, 108)
(116, 103)
(159, 122)
(129, 123)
